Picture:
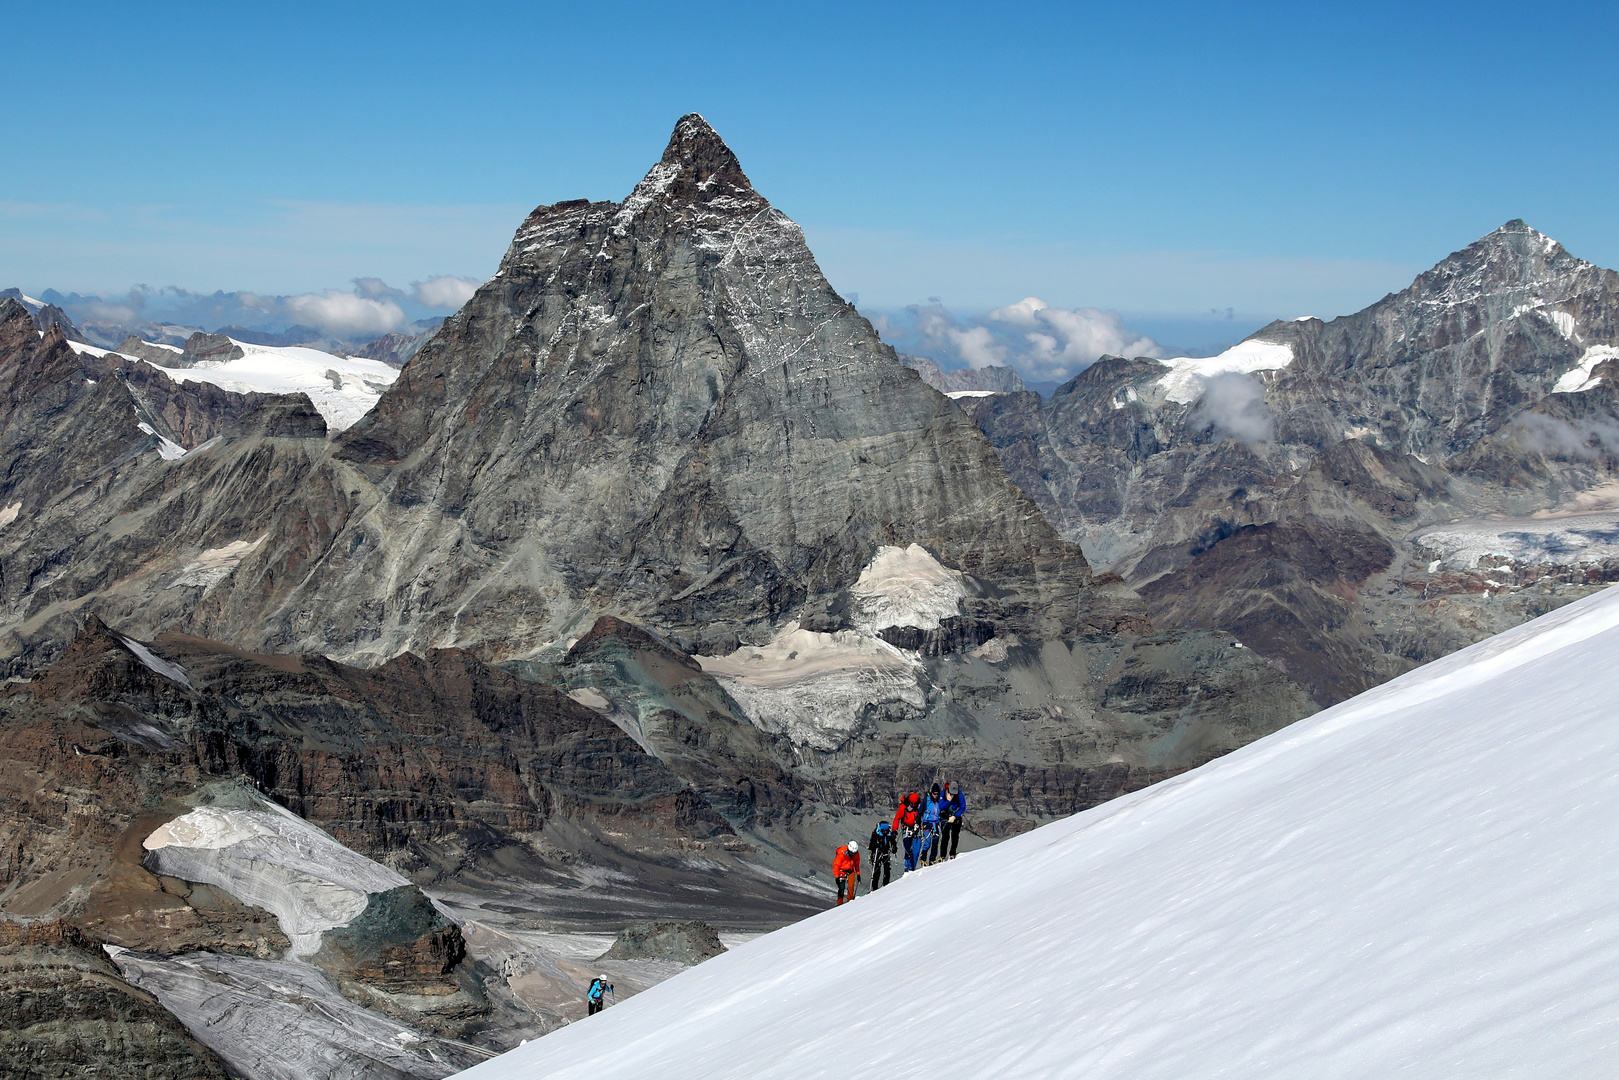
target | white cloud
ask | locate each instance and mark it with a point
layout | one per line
(444, 292)
(376, 289)
(1234, 405)
(1059, 341)
(978, 347)
(1039, 340)
(343, 314)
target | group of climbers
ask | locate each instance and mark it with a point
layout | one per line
(928, 830)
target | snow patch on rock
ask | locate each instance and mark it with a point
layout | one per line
(273, 860)
(214, 565)
(1184, 383)
(1579, 379)
(9, 514)
(590, 698)
(905, 587)
(817, 688)
(166, 668)
(167, 449)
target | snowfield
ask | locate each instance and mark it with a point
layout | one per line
(275, 860)
(342, 388)
(1420, 882)
(1185, 381)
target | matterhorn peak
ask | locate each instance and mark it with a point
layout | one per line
(696, 167)
(702, 155)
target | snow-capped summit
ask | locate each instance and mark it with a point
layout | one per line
(1420, 881)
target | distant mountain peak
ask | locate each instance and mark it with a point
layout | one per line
(702, 155)
(697, 170)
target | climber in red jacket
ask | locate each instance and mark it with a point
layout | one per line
(846, 869)
(908, 823)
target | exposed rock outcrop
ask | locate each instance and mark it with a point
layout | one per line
(995, 378)
(66, 1012)
(396, 349)
(669, 939)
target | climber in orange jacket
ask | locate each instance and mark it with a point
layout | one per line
(846, 869)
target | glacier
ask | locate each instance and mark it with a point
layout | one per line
(1419, 881)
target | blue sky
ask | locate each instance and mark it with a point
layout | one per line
(1172, 162)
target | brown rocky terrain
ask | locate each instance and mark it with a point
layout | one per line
(67, 1014)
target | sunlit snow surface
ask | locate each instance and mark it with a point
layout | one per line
(343, 388)
(1579, 379)
(1184, 383)
(1420, 882)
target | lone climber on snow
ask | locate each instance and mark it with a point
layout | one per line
(595, 998)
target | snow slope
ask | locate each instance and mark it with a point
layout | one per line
(343, 388)
(1185, 381)
(1420, 882)
(271, 859)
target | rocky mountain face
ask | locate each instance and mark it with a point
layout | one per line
(66, 1011)
(396, 349)
(659, 411)
(654, 576)
(485, 788)
(1355, 497)
(996, 378)
(45, 315)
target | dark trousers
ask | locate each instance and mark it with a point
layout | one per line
(847, 886)
(930, 843)
(882, 871)
(594, 1007)
(949, 837)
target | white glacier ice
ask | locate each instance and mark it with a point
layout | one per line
(813, 687)
(905, 587)
(274, 860)
(1554, 540)
(1421, 881)
(342, 388)
(1184, 382)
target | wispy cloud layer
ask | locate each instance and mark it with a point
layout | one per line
(344, 313)
(1039, 340)
(369, 309)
